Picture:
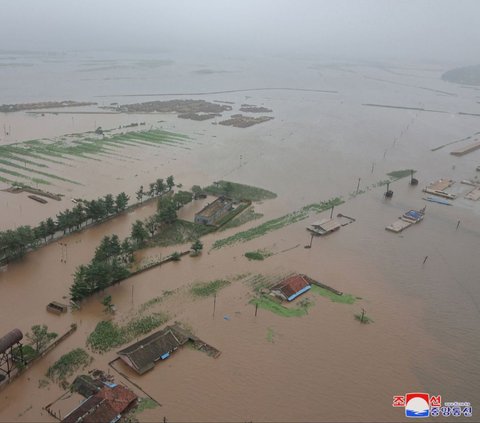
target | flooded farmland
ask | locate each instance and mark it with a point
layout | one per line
(324, 141)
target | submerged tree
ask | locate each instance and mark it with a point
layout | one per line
(197, 247)
(139, 233)
(40, 337)
(139, 194)
(170, 182)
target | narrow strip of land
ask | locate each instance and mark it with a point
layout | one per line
(224, 92)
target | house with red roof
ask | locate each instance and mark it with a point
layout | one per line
(106, 406)
(291, 288)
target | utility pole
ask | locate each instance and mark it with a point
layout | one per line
(311, 240)
(358, 184)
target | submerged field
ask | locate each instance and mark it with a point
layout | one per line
(29, 161)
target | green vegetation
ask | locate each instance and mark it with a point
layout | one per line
(28, 352)
(109, 265)
(25, 169)
(179, 232)
(363, 318)
(269, 303)
(258, 254)
(399, 174)
(345, 298)
(239, 191)
(206, 289)
(65, 148)
(68, 364)
(108, 306)
(247, 216)
(108, 335)
(271, 335)
(155, 300)
(176, 256)
(40, 337)
(196, 247)
(277, 223)
(145, 404)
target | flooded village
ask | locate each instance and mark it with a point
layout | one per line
(201, 240)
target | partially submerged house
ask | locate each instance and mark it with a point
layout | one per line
(106, 406)
(213, 212)
(143, 355)
(324, 226)
(291, 288)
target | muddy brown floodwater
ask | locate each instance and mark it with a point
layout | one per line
(323, 366)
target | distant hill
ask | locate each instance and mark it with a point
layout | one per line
(469, 75)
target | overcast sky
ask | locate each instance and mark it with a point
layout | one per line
(408, 29)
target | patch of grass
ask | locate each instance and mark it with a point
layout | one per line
(247, 216)
(258, 254)
(206, 289)
(271, 335)
(277, 223)
(108, 335)
(254, 255)
(398, 174)
(239, 191)
(344, 299)
(179, 232)
(365, 320)
(155, 300)
(145, 404)
(268, 303)
(68, 364)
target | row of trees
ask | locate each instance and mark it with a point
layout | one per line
(14, 243)
(109, 265)
(91, 211)
(156, 188)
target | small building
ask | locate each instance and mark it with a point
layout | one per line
(324, 226)
(57, 308)
(106, 406)
(213, 212)
(291, 288)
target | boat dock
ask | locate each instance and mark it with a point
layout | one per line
(438, 188)
(467, 149)
(474, 194)
(324, 226)
(408, 219)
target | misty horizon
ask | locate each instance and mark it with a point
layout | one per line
(367, 29)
